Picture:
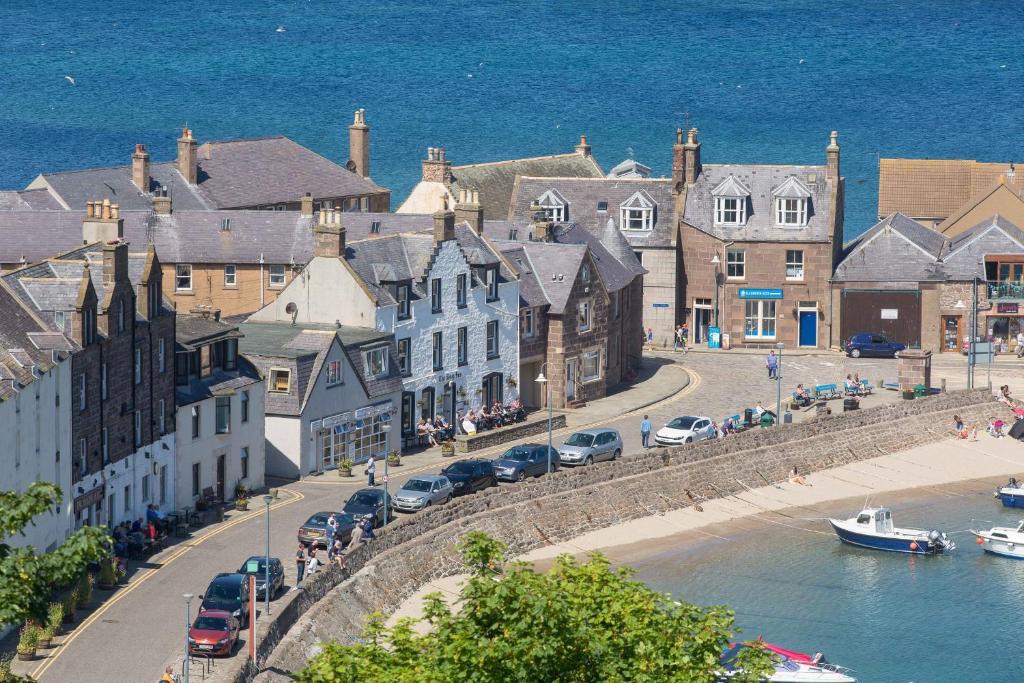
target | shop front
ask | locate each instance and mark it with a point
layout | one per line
(1002, 325)
(355, 435)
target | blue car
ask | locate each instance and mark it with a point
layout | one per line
(872, 344)
(528, 460)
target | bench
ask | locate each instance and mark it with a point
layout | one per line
(826, 391)
(866, 387)
(737, 423)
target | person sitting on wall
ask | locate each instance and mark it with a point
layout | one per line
(995, 427)
(796, 478)
(728, 427)
(426, 429)
(468, 424)
(802, 396)
(442, 430)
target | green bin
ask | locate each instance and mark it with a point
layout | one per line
(920, 391)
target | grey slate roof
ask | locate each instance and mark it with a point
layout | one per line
(28, 199)
(22, 345)
(964, 255)
(555, 266)
(531, 294)
(218, 382)
(74, 188)
(193, 330)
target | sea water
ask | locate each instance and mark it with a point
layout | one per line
(891, 617)
(764, 81)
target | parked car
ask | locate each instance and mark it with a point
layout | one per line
(423, 491)
(686, 429)
(872, 344)
(228, 593)
(368, 502)
(314, 531)
(528, 460)
(259, 563)
(470, 475)
(589, 446)
(214, 632)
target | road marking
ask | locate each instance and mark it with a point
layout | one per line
(147, 573)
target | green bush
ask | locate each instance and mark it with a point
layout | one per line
(29, 640)
(107, 577)
(85, 589)
(54, 617)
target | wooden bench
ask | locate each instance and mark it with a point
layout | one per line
(826, 392)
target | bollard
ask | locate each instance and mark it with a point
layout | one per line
(943, 388)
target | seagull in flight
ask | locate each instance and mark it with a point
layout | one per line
(280, 29)
(70, 80)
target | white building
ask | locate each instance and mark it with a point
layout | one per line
(450, 299)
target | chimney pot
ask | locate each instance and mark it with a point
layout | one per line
(584, 147)
(359, 145)
(469, 210)
(140, 168)
(188, 158)
(306, 204)
(436, 168)
(691, 150)
(832, 156)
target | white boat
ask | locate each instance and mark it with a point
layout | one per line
(792, 667)
(873, 528)
(1002, 540)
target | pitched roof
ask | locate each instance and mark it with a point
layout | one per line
(896, 249)
(27, 199)
(555, 266)
(932, 188)
(731, 187)
(531, 294)
(24, 345)
(964, 255)
(630, 168)
(1010, 190)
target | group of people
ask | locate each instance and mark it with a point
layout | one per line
(498, 415)
(306, 560)
(130, 540)
(435, 431)
(682, 337)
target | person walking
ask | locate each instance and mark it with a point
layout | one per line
(685, 341)
(679, 337)
(300, 564)
(371, 468)
(772, 363)
(1020, 344)
(645, 432)
(332, 529)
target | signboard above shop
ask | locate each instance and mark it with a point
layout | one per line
(1007, 308)
(760, 293)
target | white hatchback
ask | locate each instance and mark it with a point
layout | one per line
(685, 429)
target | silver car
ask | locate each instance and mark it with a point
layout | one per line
(589, 446)
(423, 491)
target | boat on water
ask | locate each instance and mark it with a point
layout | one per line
(873, 528)
(791, 666)
(1005, 541)
(1011, 495)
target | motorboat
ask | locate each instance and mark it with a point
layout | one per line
(873, 528)
(790, 666)
(1006, 541)
(1011, 495)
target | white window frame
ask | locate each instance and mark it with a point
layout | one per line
(593, 356)
(376, 357)
(183, 277)
(554, 207)
(636, 219)
(795, 264)
(275, 373)
(403, 294)
(334, 373)
(404, 359)
(585, 315)
(730, 210)
(735, 264)
(276, 276)
(83, 457)
(437, 350)
(460, 290)
(230, 275)
(493, 346)
(82, 402)
(760, 320)
(462, 350)
(529, 329)
(436, 295)
(791, 212)
(491, 278)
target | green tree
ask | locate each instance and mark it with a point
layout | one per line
(578, 623)
(27, 578)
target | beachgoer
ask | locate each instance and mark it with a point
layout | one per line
(796, 478)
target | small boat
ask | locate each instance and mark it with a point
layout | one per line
(790, 666)
(1011, 495)
(1002, 540)
(873, 528)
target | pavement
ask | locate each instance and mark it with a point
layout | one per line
(146, 617)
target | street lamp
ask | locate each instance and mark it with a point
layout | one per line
(188, 623)
(386, 427)
(267, 500)
(778, 387)
(717, 263)
(542, 380)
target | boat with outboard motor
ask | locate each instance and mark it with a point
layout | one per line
(1006, 541)
(1011, 495)
(790, 666)
(873, 528)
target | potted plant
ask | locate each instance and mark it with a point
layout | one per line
(70, 604)
(202, 505)
(54, 618)
(241, 491)
(28, 642)
(241, 503)
(345, 468)
(462, 393)
(84, 590)
(273, 493)
(394, 459)
(5, 669)
(107, 578)
(447, 449)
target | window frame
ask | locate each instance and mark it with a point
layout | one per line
(83, 401)
(197, 479)
(437, 350)
(460, 290)
(243, 462)
(405, 356)
(271, 275)
(403, 295)
(584, 315)
(462, 344)
(275, 374)
(760, 319)
(595, 355)
(798, 212)
(368, 357)
(435, 295)
(243, 400)
(161, 355)
(334, 373)
(183, 271)
(137, 365)
(230, 280)
(527, 321)
(197, 421)
(792, 264)
(222, 415)
(493, 344)
(161, 417)
(723, 210)
(735, 265)
(636, 218)
(103, 381)
(137, 428)
(491, 281)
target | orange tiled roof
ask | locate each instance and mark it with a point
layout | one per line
(932, 188)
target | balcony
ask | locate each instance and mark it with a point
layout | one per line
(1006, 291)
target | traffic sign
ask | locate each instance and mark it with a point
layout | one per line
(384, 479)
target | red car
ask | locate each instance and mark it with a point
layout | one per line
(214, 632)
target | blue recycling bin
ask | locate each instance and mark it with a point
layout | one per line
(714, 338)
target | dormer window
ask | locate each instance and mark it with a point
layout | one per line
(403, 301)
(639, 212)
(731, 198)
(554, 206)
(791, 203)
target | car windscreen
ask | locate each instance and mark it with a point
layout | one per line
(363, 499)
(416, 485)
(223, 591)
(262, 565)
(517, 454)
(211, 624)
(459, 468)
(580, 439)
(317, 520)
(682, 423)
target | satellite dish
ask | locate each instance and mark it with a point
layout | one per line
(292, 310)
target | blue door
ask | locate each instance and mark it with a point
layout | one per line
(808, 328)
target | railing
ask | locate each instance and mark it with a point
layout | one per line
(1006, 290)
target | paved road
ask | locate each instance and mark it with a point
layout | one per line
(141, 628)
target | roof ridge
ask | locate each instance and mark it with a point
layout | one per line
(513, 161)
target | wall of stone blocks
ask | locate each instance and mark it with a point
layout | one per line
(660, 287)
(208, 288)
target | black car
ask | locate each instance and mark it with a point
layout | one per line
(470, 475)
(314, 531)
(258, 563)
(230, 593)
(368, 503)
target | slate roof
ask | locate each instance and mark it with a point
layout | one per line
(24, 344)
(629, 168)
(531, 294)
(194, 330)
(555, 266)
(964, 255)
(28, 199)
(217, 382)
(933, 188)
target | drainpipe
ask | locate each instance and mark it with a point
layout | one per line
(261, 280)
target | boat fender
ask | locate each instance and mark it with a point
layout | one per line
(979, 540)
(913, 545)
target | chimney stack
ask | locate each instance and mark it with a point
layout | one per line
(115, 263)
(541, 230)
(444, 223)
(329, 235)
(140, 168)
(306, 205)
(691, 150)
(188, 158)
(469, 210)
(832, 157)
(161, 202)
(359, 145)
(436, 168)
(102, 222)
(583, 148)
(678, 163)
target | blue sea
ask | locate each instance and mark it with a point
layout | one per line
(764, 81)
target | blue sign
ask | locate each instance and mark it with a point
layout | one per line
(714, 338)
(661, 305)
(750, 293)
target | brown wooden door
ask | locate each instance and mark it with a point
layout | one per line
(952, 338)
(220, 476)
(893, 313)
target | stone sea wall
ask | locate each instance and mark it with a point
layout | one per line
(566, 504)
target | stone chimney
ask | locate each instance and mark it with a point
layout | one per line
(140, 168)
(832, 157)
(161, 202)
(188, 157)
(115, 263)
(306, 205)
(436, 168)
(583, 148)
(359, 145)
(469, 210)
(678, 163)
(102, 222)
(444, 223)
(691, 151)
(540, 230)
(329, 235)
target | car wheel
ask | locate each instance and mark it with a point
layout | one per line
(429, 503)
(895, 354)
(588, 460)
(448, 499)
(616, 454)
(855, 353)
(689, 439)
(521, 476)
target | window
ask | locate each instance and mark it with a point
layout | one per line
(223, 406)
(377, 362)
(195, 421)
(243, 461)
(463, 344)
(374, 227)
(791, 212)
(231, 354)
(81, 392)
(492, 284)
(526, 321)
(584, 315)
(244, 401)
(760, 320)
(138, 428)
(196, 481)
(160, 355)
(369, 439)
(435, 295)
(639, 257)
(591, 361)
(230, 274)
(492, 338)
(585, 274)
(128, 498)
(275, 273)
(730, 210)
(403, 302)
(58, 320)
(181, 367)
(637, 212)
(735, 264)
(280, 380)
(602, 206)
(161, 417)
(105, 445)
(120, 315)
(553, 206)
(88, 326)
(138, 365)
(794, 264)
(183, 277)
(153, 303)
(404, 364)
(333, 373)
(145, 488)
(438, 351)
(460, 290)
(83, 453)
(103, 381)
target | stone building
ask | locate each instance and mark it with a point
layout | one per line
(107, 303)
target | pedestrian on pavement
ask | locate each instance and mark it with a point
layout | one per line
(313, 563)
(686, 336)
(772, 363)
(650, 336)
(1020, 344)
(645, 432)
(371, 467)
(300, 564)
(169, 676)
(679, 337)
(332, 529)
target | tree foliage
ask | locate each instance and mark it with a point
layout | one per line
(27, 579)
(578, 623)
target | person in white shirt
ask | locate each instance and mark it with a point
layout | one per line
(1020, 344)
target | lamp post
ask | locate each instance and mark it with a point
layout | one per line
(717, 263)
(188, 623)
(267, 500)
(778, 387)
(386, 428)
(960, 306)
(543, 381)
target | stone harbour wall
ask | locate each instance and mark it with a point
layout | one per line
(571, 502)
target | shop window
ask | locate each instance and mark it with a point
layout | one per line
(760, 320)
